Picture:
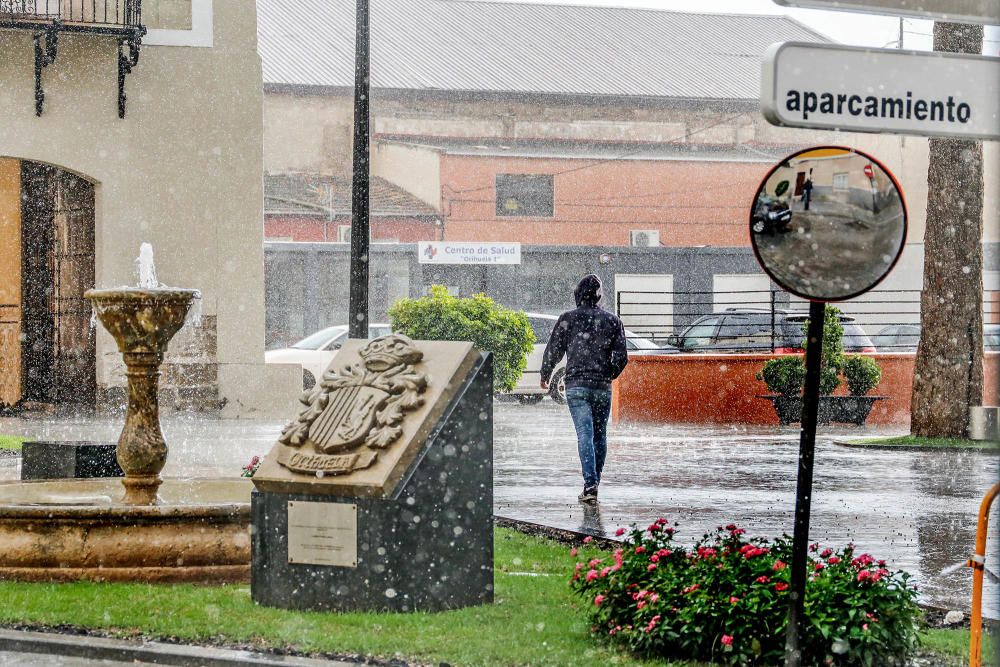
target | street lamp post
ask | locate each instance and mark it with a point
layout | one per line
(360, 206)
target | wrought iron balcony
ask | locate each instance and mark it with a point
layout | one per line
(100, 16)
(121, 19)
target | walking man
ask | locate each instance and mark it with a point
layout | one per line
(807, 190)
(593, 341)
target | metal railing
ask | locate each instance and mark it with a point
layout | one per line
(765, 320)
(124, 14)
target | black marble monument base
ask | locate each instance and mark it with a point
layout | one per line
(62, 460)
(427, 548)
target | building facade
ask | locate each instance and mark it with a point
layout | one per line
(87, 175)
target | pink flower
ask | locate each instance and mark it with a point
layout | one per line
(865, 627)
(733, 600)
(605, 571)
(727, 640)
(594, 562)
(778, 566)
(690, 589)
(650, 567)
(663, 553)
(588, 539)
(599, 599)
(654, 558)
(653, 527)
(862, 561)
(654, 597)
(818, 566)
(640, 604)
(640, 550)
(591, 575)
(864, 575)
(833, 561)
(574, 551)
(781, 586)
(763, 579)
(619, 532)
(579, 566)
(826, 553)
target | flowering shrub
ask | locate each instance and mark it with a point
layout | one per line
(250, 468)
(726, 600)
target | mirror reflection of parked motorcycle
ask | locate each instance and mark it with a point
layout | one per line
(835, 233)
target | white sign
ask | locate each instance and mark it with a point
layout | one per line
(881, 90)
(469, 253)
(963, 11)
(323, 533)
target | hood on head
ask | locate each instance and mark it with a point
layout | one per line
(588, 291)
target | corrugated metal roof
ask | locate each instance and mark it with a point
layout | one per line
(317, 194)
(501, 47)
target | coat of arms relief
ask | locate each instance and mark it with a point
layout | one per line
(355, 412)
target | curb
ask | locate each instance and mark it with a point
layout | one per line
(987, 449)
(157, 653)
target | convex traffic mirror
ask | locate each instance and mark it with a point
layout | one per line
(828, 223)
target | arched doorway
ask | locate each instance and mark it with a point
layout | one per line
(46, 264)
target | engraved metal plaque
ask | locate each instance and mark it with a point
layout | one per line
(323, 533)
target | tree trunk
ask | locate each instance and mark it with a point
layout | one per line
(948, 374)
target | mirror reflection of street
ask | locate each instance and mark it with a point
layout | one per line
(834, 234)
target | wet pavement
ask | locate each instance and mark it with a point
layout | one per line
(915, 509)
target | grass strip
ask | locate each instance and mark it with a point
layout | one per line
(912, 441)
(535, 619)
(11, 442)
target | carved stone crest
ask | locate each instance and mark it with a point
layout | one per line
(353, 413)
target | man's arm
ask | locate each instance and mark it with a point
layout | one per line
(619, 351)
(554, 350)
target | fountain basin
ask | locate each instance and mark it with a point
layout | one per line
(71, 530)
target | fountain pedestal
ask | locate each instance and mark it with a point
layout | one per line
(142, 322)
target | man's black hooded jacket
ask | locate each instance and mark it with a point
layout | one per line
(592, 339)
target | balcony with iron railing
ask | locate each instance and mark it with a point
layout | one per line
(46, 19)
(101, 16)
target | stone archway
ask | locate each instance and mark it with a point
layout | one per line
(46, 264)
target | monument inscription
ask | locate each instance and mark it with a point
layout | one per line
(323, 533)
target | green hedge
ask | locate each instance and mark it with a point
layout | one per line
(491, 327)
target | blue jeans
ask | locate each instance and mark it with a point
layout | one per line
(590, 409)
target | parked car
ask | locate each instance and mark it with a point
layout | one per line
(771, 216)
(528, 389)
(736, 330)
(315, 353)
(904, 338)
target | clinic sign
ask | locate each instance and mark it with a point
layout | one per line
(469, 253)
(856, 89)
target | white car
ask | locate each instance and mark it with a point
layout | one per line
(528, 389)
(315, 353)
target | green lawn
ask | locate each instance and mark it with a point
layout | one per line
(11, 442)
(535, 619)
(934, 443)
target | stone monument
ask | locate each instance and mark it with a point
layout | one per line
(379, 495)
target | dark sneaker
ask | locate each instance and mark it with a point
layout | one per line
(589, 495)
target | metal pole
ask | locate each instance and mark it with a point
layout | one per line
(803, 492)
(360, 234)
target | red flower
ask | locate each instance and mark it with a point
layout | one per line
(778, 566)
(763, 579)
(781, 586)
(599, 599)
(640, 550)
(727, 640)
(733, 600)
(591, 575)
(651, 567)
(619, 532)
(833, 561)
(690, 589)
(588, 539)
(818, 566)
(864, 575)
(826, 553)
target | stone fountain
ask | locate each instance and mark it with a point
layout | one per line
(184, 530)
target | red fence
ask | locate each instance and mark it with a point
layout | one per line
(721, 388)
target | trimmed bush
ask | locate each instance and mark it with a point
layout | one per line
(832, 354)
(726, 600)
(490, 327)
(862, 374)
(783, 376)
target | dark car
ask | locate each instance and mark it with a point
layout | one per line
(904, 338)
(771, 216)
(750, 330)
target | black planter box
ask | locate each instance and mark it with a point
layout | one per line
(62, 460)
(843, 409)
